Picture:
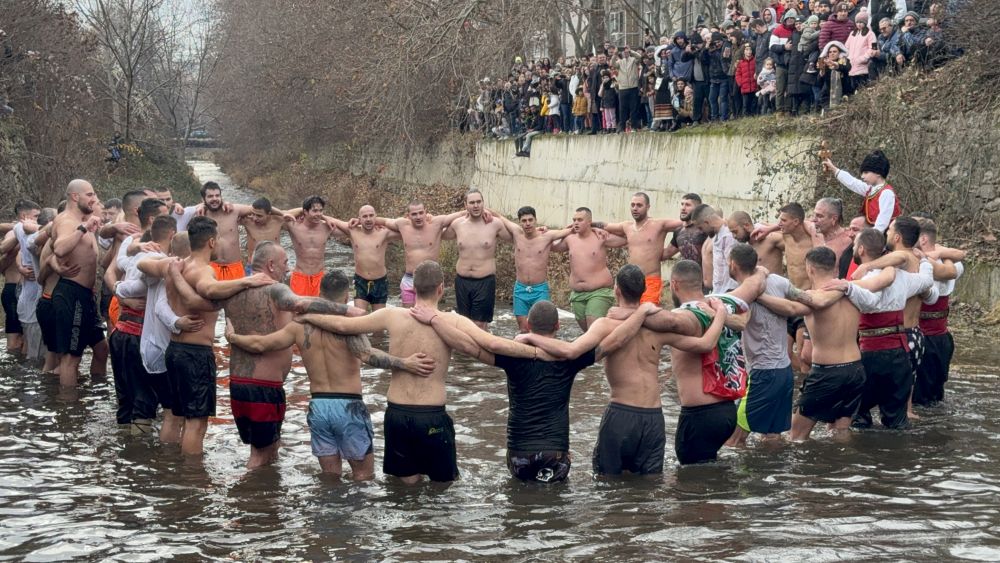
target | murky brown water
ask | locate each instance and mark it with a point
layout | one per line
(73, 486)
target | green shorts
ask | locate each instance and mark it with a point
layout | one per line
(591, 303)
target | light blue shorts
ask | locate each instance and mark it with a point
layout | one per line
(340, 425)
(527, 295)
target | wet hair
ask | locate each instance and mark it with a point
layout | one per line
(822, 258)
(927, 227)
(46, 216)
(631, 283)
(162, 227)
(25, 205)
(526, 210)
(263, 204)
(132, 200)
(687, 273)
(702, 212)
(643, 195)
(590, 214)
(543, 317)
(834, 204)
(872, 240)
(744, 256)
(264, 251)
(210, 186)
(149, 208)
(334, 285)
(200, 230)
(313, 200)
(474, 191)
(908, 230)
(692, 197)
(795, 210)
(426, 278)
(113, 202)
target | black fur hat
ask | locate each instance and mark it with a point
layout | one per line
(876, 162)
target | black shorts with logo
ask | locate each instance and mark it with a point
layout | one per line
(539, 467)
(191, 369)
(79, 325)
(375, 292)
(419, 440)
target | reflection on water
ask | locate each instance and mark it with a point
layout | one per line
(74, 486)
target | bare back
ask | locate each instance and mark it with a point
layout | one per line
(227, 241)
(477, 246)
(588, 262)
(834, 333)
(309, 241)
(406, 337)
(633, 371)
(369, 251)
(331, 366)
(193, 271)
(254, 312)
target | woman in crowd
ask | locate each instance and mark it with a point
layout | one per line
(862, 46)
(834, 69)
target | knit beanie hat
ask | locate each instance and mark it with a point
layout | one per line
(876, 162)
(912, 14)
(812, 19)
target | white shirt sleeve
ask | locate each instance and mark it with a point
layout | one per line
(852, 183)
(165, 314)
(919, 282)
(131, 289)
(866, 301)
(886, 203)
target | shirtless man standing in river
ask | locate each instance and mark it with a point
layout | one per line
(645, 237)
(369, 241)
(475, 271)
(339, 424)
(419, 434)
(73, 297)
(227, 261)
(309, 235)
(589, 277)
(190, 359)
(531, 262)
(421, 236)
(261, 226)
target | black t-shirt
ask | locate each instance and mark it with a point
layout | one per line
(539, 401)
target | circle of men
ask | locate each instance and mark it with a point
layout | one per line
(863, 310)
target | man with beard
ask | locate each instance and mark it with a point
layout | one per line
(73, 297)
(645, 237)
(705, 218)
(227, 261)
(475, 271)
(768, 250)
(689, 239)
(531, 261)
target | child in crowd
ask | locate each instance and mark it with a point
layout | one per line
(553, 120)
(809, 43)
(767, 81)
(609, 101)
(579, 110)
(744, 78)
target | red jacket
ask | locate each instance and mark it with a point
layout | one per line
(833, 30)
(744, 75)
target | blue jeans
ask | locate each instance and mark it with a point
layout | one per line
(718, 100)
(566, 112)
(580, 120)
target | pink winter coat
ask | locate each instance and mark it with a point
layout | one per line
(857, 52)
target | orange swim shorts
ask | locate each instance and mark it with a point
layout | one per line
(305, 285)
(654, 286)
(231, 271)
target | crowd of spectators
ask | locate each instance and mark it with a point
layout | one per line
(792, 58)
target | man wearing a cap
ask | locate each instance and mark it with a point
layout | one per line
(881, 205)
(782, 45)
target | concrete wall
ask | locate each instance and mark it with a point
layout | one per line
(603, 171)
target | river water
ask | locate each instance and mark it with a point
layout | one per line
(74, 486)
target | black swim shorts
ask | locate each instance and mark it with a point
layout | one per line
(258, 408)
(888, 382)
(630, 439)
(794, 324)
(475, 297)
(932, 374)
(106, 295)
(12, 325)
(832, 391)
(134, 387)
(539, 467)
(191, 372)
(419, 440)
(78, 324)
(375, 292)
(702, 430)
(46, 317)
